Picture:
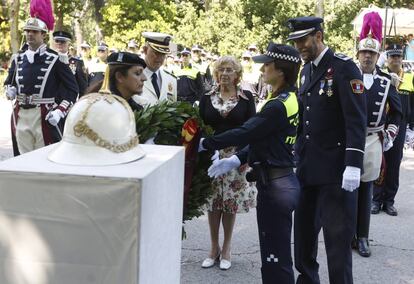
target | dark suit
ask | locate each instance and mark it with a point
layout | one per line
(331, 136)
(78, 69)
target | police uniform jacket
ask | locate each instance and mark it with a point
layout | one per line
(78, 69)
(332, 126)
(189, 84)
(406, 92)
(168, 90)
(383, 103)
(270, 134)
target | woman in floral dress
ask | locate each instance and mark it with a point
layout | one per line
(227, 106)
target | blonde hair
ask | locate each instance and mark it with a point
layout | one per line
(231, 60)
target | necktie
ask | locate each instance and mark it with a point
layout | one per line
(154, 80)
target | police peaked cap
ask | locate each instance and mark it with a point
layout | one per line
(185, 51)
(196, 47)
(303, 26)
(158, 41)
(278, 52)
(62, 35)
(102, 46)
(125, 58)
(394, 49)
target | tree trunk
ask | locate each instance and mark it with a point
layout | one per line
(98, 18)
(14, 25)
(319, 9)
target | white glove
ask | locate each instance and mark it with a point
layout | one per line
(395, 79)
(409, 136)
(54, 116)
(200, 146)
(220, 167)
(351, 178)
(216, 156)
(11, 92)
(388, 142)
(150, 141)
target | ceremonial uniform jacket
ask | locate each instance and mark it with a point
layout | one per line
(406, 92)
(383, 103)
(78, 69)
(332, 125)
(168, 90)
(270, 134)
(189, 84)
(47, 83)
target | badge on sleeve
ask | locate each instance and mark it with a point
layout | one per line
(357, 86)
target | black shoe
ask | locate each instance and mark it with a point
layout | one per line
(354, 243)
(390, 210)
(375, 208)
(363, 247)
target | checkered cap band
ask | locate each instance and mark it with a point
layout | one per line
(283, 56)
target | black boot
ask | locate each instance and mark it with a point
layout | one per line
(375, 207)
(363, 247)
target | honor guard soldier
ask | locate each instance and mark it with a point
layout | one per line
(44, 88)
(384, 116)
(330, 148)
(385, 192)
(97, 66)
(160, 85)
(62, 40)
(270, 136)
(189, 82)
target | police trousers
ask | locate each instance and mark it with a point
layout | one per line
(276, 201)
(333, 209)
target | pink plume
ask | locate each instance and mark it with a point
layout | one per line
(371, 22)
(42, 9)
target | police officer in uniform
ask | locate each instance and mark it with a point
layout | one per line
(189, 82)
(97, 66)
(381, 94)
(160, 85)
(270, 136)
(330, 147)
(384, 194)
(62, 40)
(44, 88)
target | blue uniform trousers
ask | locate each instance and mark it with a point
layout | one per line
(385, 194)
(275, 204)
(333, 209)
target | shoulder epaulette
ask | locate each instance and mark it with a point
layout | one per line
(169, 73)
(342, 56)
(282, 97)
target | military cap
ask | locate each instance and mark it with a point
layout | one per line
(252, 46)
(125, 58)
(196, 47)
(278, 52)
(303, 26)
(158, 41)
(132, 43)
(246, 54)
(102, 46)
(369, 44)
(185, 51)
(85, 45)
(62, 35)
(394, 49)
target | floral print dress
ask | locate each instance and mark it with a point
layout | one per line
(232, 193)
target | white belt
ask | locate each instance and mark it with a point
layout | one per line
(33, 100)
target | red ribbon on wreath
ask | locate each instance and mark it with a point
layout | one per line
(190, 137)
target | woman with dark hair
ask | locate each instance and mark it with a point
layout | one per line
(270, 136)
(125, 77)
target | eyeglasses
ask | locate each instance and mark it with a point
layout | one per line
(226, 70)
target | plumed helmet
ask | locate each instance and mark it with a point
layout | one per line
(99, 130)
(371, 33)
(370, 44)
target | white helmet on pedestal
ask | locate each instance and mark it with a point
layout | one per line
(99, 130)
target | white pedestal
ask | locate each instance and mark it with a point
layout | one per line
(114, 224)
